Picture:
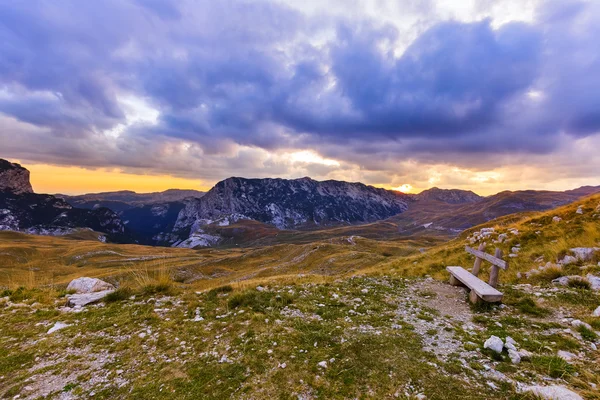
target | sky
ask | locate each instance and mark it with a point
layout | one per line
(146, 95)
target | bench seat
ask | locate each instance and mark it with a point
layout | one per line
(477, 286)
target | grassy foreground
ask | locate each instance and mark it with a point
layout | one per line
(339, 318)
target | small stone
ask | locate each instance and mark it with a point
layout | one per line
(514, 356)
(322, 364)
(57, 326)
(494, 343)
(577, 323)
(596, 312)
(556, 219)
(567, 356)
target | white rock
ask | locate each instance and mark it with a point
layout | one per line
(585, 253)
(579, 210)
(566, 355)
(568, 260)
(525, 355)
(577, 323)
(594, 281)
(83, 299)
(596, 312)
(57, 326)
(494, 343)
(89, 285)
(510, 346)
(556, 219)
(322, 364)
(514, 356)
(260, 288)
(553, 392)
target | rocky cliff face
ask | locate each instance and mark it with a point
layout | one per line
(290, 204)
(14, 178)
(24, 211)
(450, 196)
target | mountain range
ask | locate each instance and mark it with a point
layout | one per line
(240, 211)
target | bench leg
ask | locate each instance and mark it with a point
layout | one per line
(455, 282)
(474, 298)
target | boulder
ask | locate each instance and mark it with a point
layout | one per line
(585, 253)
(568, 260)
(594, 281)
(494, 343)
(554, 392)
(89, 285)
(83, 299)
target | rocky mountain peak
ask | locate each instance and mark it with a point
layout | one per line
(450, 196)
(14, 178)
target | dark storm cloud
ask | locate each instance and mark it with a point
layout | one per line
(261, 74)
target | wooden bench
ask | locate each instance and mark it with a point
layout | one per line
(479, 289)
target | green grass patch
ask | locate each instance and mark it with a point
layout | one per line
(553, 366)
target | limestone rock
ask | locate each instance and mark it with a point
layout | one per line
(594, 281)
(14, 178)
(494, 343)
(585, 253)
(514, 356)
(89, 285)
(596, 312)
(554, 392)
(556, 219)
(57, 326)
(566, 355)
(568, 260)
(83, 299)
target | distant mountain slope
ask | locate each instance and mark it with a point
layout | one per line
(126, 199)
(25, 211)
(450, 196)
(294, 203)
(431, 214)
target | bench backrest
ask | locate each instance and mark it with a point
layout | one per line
(496, 261)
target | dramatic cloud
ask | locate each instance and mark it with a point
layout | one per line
(391, 93)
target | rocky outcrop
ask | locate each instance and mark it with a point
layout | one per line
(14, 178)
(41, 214)
(450, 196)
(292, 203)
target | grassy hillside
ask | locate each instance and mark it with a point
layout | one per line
(345, 317)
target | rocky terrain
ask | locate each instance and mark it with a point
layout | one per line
(22, 210)
(126, 199)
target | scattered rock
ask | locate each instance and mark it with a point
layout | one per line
(322, 364)
(494, 343)
(554, 392)
(89, 285)
(556, 219)
(596, 312)
(577, 323)
(514, 356)
(566, 355)
(579, 210)
(57, 326)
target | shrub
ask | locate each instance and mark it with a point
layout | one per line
(553, 366)
(587, 333)
(528, 306)
(580, 284)
(122, 293)
(258, 301)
